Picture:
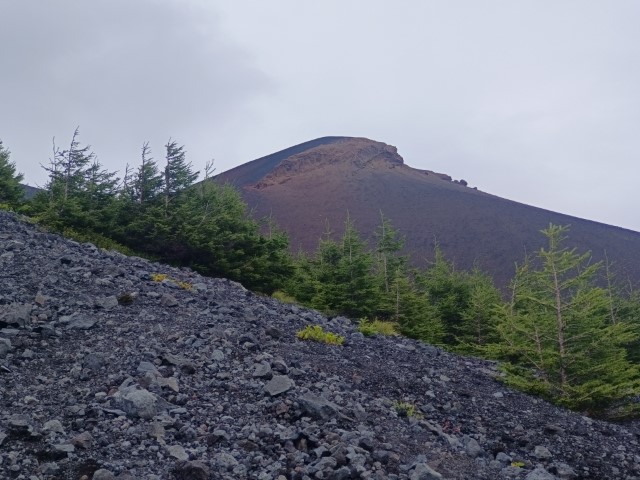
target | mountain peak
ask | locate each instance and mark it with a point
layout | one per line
(346, 154)
(313, 184)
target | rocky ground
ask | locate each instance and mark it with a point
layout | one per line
(110, 371)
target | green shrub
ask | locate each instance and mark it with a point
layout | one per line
(97, 239)
(377, 327)
(283, 297)
(406, 409)
(159, 277)
(317, 334)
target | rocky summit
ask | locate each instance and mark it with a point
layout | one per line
(115, 367)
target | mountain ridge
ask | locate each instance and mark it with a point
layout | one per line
(314, 187)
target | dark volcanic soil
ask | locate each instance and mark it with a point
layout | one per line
(108, 373)
(315, 183)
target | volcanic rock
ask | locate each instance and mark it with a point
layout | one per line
(151, 391)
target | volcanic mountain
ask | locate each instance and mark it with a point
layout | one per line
(311, 187)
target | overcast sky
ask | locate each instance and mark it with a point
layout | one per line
(536, 101)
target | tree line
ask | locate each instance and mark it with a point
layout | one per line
(155, 210)
(565, 330)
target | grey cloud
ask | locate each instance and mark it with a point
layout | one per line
(124, 71)
(536, 101)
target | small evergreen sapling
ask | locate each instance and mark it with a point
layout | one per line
(556, 333)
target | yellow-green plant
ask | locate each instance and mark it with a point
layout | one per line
(518, 464)
(159, 277)
(283, 297)
(375, 326)
(407, 409)
(317, 334)
(97, 239)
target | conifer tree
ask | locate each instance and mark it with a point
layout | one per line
(100, 185)
(448, 291)
(303, 284)
(64, 205)
(213, 233)
(148, 180)
(68, 168)
(11, 192)
(399, 299)
(388, 244)
(355, 281)
(97, 195)
(412, 310)
(142, 220)
(477, 326)
(623, 306)
(325, 265)
(557, 335)
(178, 173)
(342, 281)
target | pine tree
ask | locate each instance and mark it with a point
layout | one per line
(449, 292)
(388, 244)
(97, 195)
(148, 181)
(356, 282)
(303, 284)
(68, 168)
(64, 203)
(340, 275)
(178, 173)
(11, 192)
(212, 232)
(329, 290)
(413, 312)
(477, 327)
(623, 306)
(557, 334)
(399, 299)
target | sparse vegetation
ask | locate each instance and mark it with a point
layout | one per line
(283, 297)
(406, 409)
(161, 277)
(317, 334)
(377, 327)
(98, 240)
(561, 334)
(157, 213)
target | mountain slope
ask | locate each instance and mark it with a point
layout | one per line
(105, 370)
(316, 183)
(29, 191)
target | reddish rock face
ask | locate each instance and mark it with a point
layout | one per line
(310, 187)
